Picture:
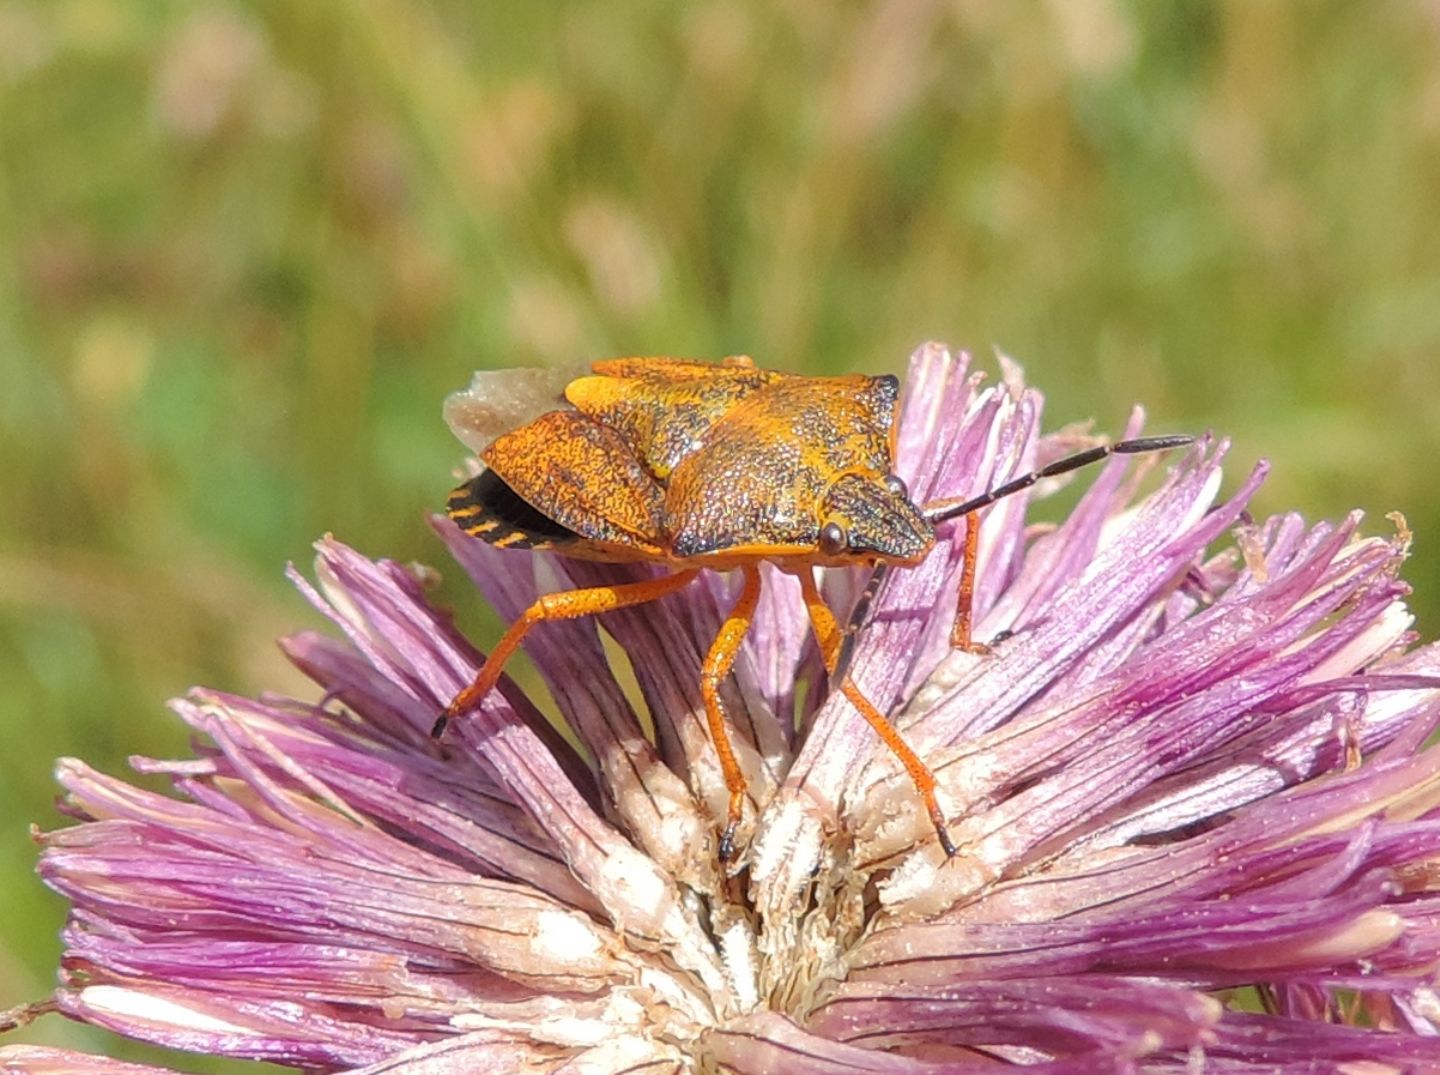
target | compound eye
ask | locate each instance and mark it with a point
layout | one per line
(896, 485)
(833, 539)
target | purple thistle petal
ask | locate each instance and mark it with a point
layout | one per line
(502, 1052)
(1061, 1016)
(41, 1060)
(767, 1042)
(418, 794)
(1252, 1043)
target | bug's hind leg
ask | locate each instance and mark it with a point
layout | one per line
(829, 637)
(567, 605)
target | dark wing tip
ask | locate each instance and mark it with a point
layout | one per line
(486, 508)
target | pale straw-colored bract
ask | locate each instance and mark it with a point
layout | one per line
(1197, 825)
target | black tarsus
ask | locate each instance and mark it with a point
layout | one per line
(946, 510)
(727, 844)
(946, 844)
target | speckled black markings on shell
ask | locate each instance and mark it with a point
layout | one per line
(761, 475)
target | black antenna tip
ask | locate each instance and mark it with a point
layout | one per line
(1152, 444)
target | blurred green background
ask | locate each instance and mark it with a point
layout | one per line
(246, 248)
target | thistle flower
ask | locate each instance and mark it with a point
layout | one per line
(1197, 829)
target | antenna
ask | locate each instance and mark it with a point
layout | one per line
(943, 510)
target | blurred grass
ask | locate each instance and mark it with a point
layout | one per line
(245, 249)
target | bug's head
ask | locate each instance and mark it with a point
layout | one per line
(869, 520)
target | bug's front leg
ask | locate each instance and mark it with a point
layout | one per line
(830, 640)
(718, 663)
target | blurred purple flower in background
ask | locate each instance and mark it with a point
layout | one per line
(1197, 827)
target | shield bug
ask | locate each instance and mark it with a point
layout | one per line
(703, 466)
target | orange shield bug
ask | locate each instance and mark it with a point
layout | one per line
(703, 466)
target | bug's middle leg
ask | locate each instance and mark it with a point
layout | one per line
(566, 605)
(960, 630)
(939, 511)
(718, 663)
(829, 638)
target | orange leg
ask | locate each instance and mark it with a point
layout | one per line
(827, 635)
(718, 663)
(822, 620)
(960, 637)
(567, 605)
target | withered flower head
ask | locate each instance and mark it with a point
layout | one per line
(1197, 826)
